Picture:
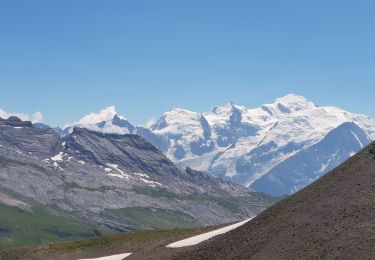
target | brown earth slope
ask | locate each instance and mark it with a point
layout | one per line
(333, 218)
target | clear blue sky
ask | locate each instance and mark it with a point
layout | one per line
(66, 58)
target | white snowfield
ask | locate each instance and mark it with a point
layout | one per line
(111, 257)
(203, 237)
(281, 129)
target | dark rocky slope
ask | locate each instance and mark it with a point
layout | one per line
(333, 218)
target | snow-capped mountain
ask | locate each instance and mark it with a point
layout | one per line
(311, 163)
(245, 145)
(106, 121)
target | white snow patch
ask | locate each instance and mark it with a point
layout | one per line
(116, 175)
(111, 257)
(57, 165)
(58, 157)
(121, 174)
(115, 167)
(203, 237)
(356, 137)
(63, 143)
(324, 166)
(81, 162)
(152, 183)
(143, 175)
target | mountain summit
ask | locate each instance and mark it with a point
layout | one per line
(246, 145)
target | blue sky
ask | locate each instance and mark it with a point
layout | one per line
(68, 58)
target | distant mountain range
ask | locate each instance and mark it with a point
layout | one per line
(99, 182)
(277, 148)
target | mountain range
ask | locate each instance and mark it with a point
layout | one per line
(277, 148)
(95, 182)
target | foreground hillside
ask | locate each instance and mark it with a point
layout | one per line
(106, 182)
(334, 218)
(26, 222)
(146, 244)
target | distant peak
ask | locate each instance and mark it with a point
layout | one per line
(37, 117)
(292, 98)
(227, 108)
(15, 121)
(181, 111)
(293, 102)
(106, 114)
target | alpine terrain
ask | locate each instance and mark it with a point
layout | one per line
(88, 183)
(277, 148)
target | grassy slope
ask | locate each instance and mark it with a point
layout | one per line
(49, 224)
(231, 204)
(41, 225)
(145, 242)
(154, 217)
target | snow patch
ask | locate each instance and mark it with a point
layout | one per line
(116, 175)
(58, 157)
(111, 257)
(324, 166)
(151, 183)
(57, 165)
(356, 137)
(203, 237)
(121, 174)
(142, 175)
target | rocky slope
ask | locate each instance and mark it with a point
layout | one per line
(118, 182)
(333, 218)
(251, 146)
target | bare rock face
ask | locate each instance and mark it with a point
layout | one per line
(121, 182)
